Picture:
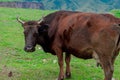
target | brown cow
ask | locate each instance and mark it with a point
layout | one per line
(84, 35)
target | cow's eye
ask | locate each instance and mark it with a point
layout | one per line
(25, 33)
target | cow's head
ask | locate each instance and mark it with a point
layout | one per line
(31, 33)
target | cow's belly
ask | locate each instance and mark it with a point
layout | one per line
(79, 45)
(84, 54)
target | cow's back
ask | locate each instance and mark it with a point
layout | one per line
(90, 21)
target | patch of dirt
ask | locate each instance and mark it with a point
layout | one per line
(8, 72)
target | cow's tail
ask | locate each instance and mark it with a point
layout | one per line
(118, 39)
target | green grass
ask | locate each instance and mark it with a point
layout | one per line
(37, 65)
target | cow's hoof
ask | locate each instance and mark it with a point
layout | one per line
(68, 75)
(61, 78)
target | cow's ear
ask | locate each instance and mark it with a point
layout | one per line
(43, 28)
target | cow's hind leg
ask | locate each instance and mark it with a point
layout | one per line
(114, 56)
(67, 60)
(107, 67)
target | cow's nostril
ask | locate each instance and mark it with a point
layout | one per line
(29, 48)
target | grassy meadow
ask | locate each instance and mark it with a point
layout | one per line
(16, 64)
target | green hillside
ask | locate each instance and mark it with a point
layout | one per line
(81, 5)
(37, 65)
(78, 5)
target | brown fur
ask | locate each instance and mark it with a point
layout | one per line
(84, 35)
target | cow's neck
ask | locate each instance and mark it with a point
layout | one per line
(46, 43)
(49, 37)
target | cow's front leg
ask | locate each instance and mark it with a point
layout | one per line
(67, 60)
(60, 62)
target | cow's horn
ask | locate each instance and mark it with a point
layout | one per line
(41, 20)
(19, 20)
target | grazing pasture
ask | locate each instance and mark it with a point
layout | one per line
(16, 64)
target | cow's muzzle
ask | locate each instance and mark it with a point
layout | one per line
(29, 48)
